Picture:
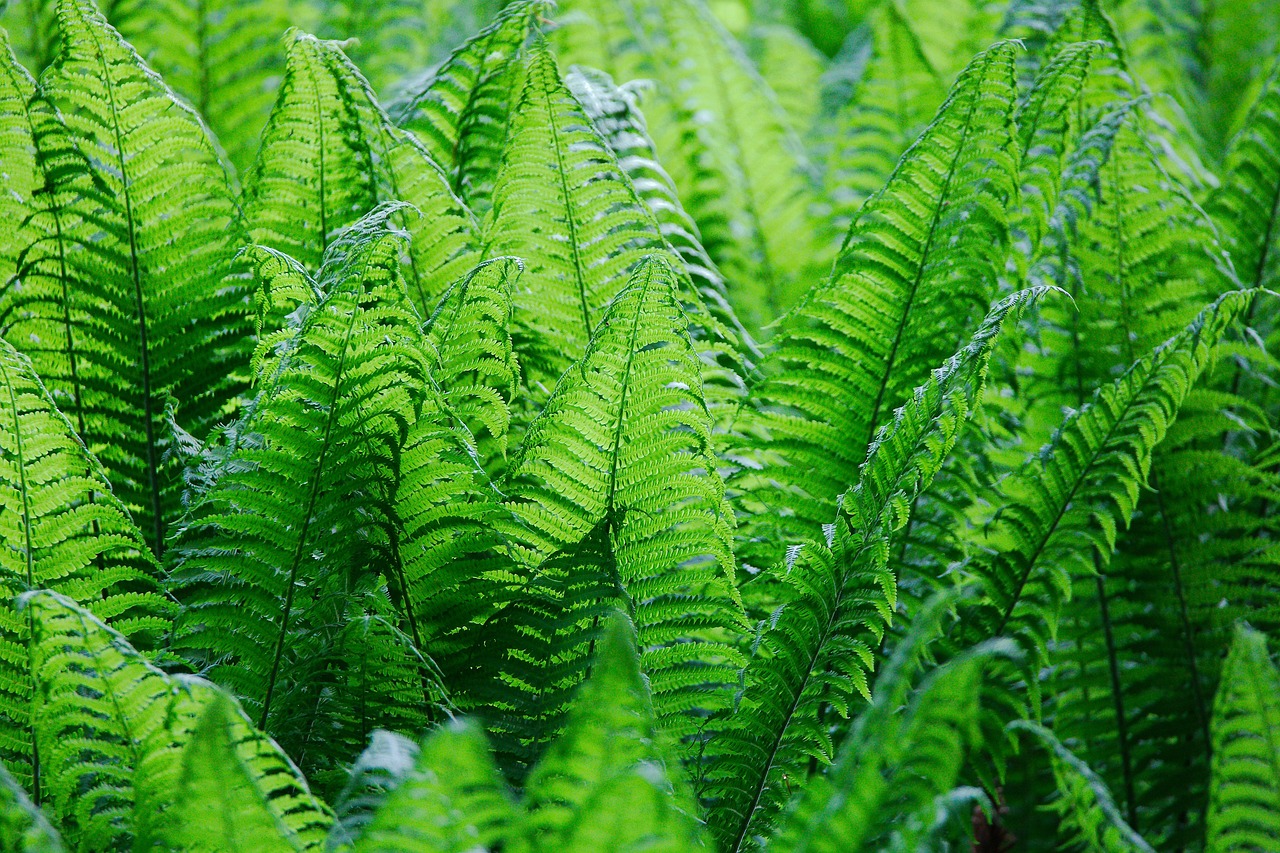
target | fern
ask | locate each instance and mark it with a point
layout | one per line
(127, 299)
(62, 529)
(352, 159)
(921, 257)
(815, 650)
(265, 600)
(23, 827)
(1246, 761)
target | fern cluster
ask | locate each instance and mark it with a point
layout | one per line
(621, 425)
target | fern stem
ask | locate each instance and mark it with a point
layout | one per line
(1117, 695)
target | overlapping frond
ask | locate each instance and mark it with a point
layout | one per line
(1243, 813)
(814, 652)
(460, 110)
(127, 301)
(61, 529)
(330, 155)
(917, 269)
(284, 547)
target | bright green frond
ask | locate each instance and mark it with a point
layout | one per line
(282, 552)
(918, 267)
(460, 110)
(1244, 798)
(814, 652)
(1085, 804)
(61, 529)
(20, 177)
(128, 301)
(330, 155)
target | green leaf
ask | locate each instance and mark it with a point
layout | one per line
(23, 827)
(1243, 796)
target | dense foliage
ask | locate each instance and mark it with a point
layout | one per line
(620, 425)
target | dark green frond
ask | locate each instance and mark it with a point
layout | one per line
(284, 548)
(1244, 798)
(814, 652)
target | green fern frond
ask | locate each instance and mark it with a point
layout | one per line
(1243, 810)
(330, 155)
(238, 793)
(1085, 803)
(1067, 505)
(792, 68)
(128, 298)
(23, 827)
(612, 759)
(919, 262)
(563, 203)
(284, 547)
(475, 363)
(894, 96)
(62, 529)
(21, 177)
(448, 799)
(814, 652)
(34, 27)
(461, 109)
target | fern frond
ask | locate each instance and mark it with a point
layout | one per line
(34, 27)
(449, 798)
(330, 155)
(563, 203)
(128, 298)
(814, 652)
(23, 827)
(21, 177)
(793, 68)
(612, 759)
(461, 109)
(1243, 810)
(896, 93)
(238, 793)
(1065, 508)
(918, 265)
(284, 547)
(62, 529)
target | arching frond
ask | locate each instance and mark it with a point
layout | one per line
(1085, 803)
(814, 652)
(460, 109)
(237, 792)
(330, 155)
(62, 529)
(563, 203)
(918, 265)
(284, 548)
(127, 300)
(1243, 810)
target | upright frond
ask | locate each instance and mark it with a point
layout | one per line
(61, 529)
(1244, 797)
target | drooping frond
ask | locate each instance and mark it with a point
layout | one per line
(284, 547)
(23, 827)
(563, 204)
(330, 155)
(1084, 802)
(445, 797)
(918, 267)
(612, 759)
(1244, 798)
(814, 652)
(460, 109)
(237, 792)
(127, 301)
(1067, 505)
(620, 505)
(61, 529)
(111, 727)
